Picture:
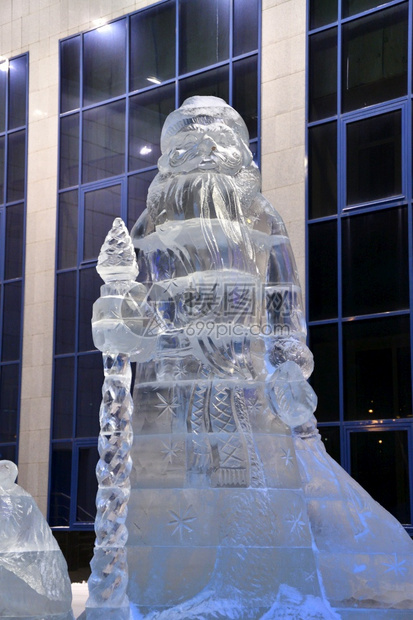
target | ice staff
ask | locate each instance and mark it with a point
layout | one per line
(108, 582)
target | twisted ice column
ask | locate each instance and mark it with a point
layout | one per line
(108, 582)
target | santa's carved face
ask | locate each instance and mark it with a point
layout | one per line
(214, 147)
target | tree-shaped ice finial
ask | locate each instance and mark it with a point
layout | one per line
(117, 260)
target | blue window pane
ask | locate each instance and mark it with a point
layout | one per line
(204, 33)
(322, 12)
(70, 74)
(138, 185)
(9, 390)
(214, 82)
(104, 62)
(322, 270)
(8, 453)
(87, 485)
(16, 166)
(152, 46)
(245, 99)
(12, 321)
(322, 74)
(14, 241)
(68, 218)
(351, 7)
(65, 312)
(322, 170)
(89, 394)
(147, 114)
(324, 346)
(103, 142)
(377, 379)
(3, 86)
(246, 15)
(64, 380)
(61, 470)
(69, 151)
(17, 92)
(2, 142)
(101, 208)
(90, 283)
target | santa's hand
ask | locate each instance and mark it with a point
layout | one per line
(292, 398)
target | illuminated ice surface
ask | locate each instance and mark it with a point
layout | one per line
(236, 510)
(34, 583)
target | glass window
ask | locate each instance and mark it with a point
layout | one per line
(16, 166)
(152, 58)
(2, 155)
(322, 164)
(90, 283)
(12, 321)
(330, 436)
(8, 453)
(147, 114)
(245, 99)
(375, 262)
(323, 75)
(379, 462)
(68, 230)
(9, 391)
(61, 471)
(138, 186)
(89, 394)
(13, 264)
(374, 160)
(3, 90)
(64, 379)
(104, 62)
(69, 151)
(103, 141)
(374, 59)
(70, 74)
(322, 252)
(65, 312)
(87, 485)
(246, 16)
(204, 28)
(17, 92)
(377, 379)
(324, 346)
(214, 82)
(101, 207)
(322, 12)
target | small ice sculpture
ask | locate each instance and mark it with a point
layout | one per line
(34, 583)
(235, 510)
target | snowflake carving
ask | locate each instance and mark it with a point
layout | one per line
(396, 566)
(296, 523)
(310, 576)
(170, 452)
(166, 406)
(254, 406)
(180, 521)
(287, 457)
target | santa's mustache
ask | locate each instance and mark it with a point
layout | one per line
(227, 160)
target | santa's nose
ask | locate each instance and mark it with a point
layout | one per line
(208, 145)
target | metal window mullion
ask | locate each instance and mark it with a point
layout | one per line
(177, 52)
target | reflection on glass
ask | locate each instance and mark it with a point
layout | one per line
(9, 391)
(374, 159)
(65, 312)
(204, 30)
(330, 436)
(17, 92)
(90, 284)
(67, 238)
(64, 379)
(147, 114)
(322, 12)
(101, 208)
(152, 41)
(322, 170)
(245, 99)
(87, 485)
(11, 321)
(16, 159)
(374, 59)
(103, 142)
(352, 7)
(70, 74)
(377, 381)
(138, 185)
(89, 395)
(60, 490)
(246, 17)
(324, 346)
(104, 62)
(375, 262)
(323, 74)
(322, 252)
(214, 82)
(69, 151)
(379, 462)
(13, 263)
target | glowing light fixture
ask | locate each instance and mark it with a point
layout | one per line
(145, 150)
(153, 79)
